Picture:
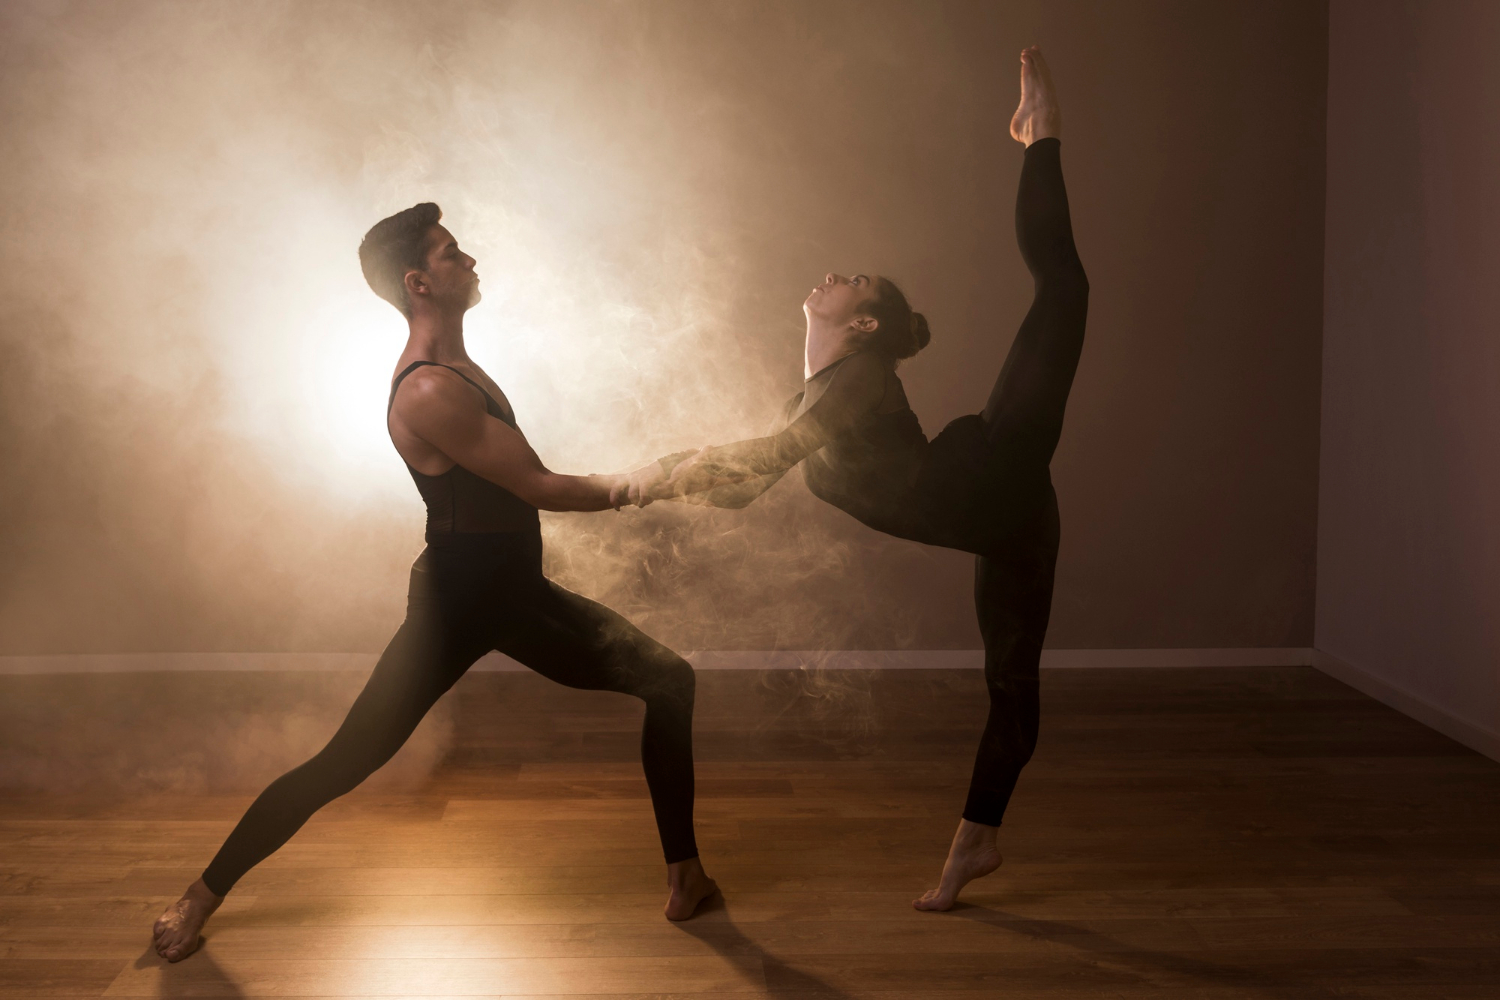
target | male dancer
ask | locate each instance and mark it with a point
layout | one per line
(478, 586)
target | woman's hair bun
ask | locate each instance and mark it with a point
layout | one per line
(921, 335)
(901, 332)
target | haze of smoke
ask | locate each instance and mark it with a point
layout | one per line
(193, 376)
(192, 734)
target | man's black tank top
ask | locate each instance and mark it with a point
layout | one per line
(459, 502)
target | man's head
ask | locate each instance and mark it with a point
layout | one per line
(413, 262)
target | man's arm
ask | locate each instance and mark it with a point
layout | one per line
(446, 412)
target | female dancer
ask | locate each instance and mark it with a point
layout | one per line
(981, 486)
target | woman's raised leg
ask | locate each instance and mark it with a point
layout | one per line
(1013, 597)
(1024, 415)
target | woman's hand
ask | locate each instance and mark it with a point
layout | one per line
(650, 482)
(685, 470)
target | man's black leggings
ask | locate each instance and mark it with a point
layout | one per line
(1023, 421)
(471, 594)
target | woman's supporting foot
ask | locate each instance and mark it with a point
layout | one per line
(1038, 115)
(974, 854)
(688, 885)
(178, 931)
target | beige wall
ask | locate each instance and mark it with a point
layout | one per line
(190, 383)
(1409, 537)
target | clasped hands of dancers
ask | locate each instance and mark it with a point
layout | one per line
(982, 486)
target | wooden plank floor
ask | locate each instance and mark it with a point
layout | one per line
(1207, 834)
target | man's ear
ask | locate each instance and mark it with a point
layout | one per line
(865, 324)
(416, 283)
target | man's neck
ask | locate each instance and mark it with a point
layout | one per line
(435, 337)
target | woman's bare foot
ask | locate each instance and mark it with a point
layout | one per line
(178, 932)
(974, 854)
(687, 886)
(1038, 115)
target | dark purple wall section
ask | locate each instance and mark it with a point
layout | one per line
(1409, 509)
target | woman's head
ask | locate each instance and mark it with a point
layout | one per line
(873, 312)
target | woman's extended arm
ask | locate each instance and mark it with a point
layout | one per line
(731, 496)
(644, 485)
(855, 389)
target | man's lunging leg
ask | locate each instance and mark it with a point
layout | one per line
(583, 644)
(419, 665)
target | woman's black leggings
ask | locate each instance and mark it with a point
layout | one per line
(470, 595)
(1023, 421)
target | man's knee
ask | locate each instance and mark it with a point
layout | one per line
(683, 678)
(673, 679)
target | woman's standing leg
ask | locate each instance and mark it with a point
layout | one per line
(1013, 597)
(1023, 421)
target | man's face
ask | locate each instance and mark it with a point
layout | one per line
(450, 277)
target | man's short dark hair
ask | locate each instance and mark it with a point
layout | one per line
(395, 246)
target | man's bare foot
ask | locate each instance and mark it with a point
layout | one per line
(178, 932)
(974, 854)
(687, 886)
(1038, 115)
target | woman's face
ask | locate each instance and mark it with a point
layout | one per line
(839, 300)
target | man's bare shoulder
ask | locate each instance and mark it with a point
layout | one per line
(434, 386)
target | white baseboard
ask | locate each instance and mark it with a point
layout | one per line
(843, 659)
(133, 663)
(1470, 734)
(837, 659)
(952, 659)
(1486, 741)
(1254, 656)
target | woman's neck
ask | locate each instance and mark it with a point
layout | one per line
(823, 347)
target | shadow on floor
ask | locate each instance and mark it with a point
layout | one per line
(195, 976)
(781, 980)
(1197, 971)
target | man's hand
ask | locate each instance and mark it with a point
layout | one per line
(639, 487)
(619, 493)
